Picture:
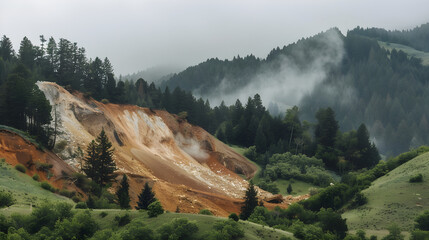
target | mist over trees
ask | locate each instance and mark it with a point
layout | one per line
(386, 90)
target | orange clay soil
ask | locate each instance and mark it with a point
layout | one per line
(17, 150)
(188, 168)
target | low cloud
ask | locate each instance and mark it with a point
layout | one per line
(284, 86)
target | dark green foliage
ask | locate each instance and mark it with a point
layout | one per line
(155, 209)
(394, 233)
(6, 199)
(99, 163)
(136, 230)
(81, 205)
(47, 214)
(269, 186)
(81, 226)
(300, 167)
(303, 231)
(205, 212)
(103, 214)
(360, 199)
(289, 189)
(417, 178)
(146, 197)
(225, 230)
(330, 197)
(20, 168)
(47, 186)
(250, 202)
(36, 177)
(419, 235)
(331, 221)
(233, 216)
(422, 221)
(179, 229)
(122, 193)
(123, 220)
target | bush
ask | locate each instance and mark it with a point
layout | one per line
(155, 209)
(226, 230)
(36, 177)
(104, 101)
(103, 214)
(47, 186)
(81, 205)
(44, 166)
(422, 221)
(205, 212)
(6, 199)
(123, 220)
(233, 216)
(179, 229)
(417, 178)
(20, 168)
(419, 235)
(66, 193)
(136, 230)
(360, 199)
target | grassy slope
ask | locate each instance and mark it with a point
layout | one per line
(24, 189)
(204, 222)
(393, 199)
(298, 187)
(408, 50)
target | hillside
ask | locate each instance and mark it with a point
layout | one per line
(15, 149)
(188, 168)
(381, 85)
(393, 199)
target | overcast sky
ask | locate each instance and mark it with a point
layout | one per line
(139, 34)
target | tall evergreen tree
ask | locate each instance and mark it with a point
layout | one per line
(123, 193)
(6, 49)
(250, 202)
(27, 53)
(146, 197)
(99, 163)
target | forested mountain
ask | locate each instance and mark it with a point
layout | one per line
(362, 82)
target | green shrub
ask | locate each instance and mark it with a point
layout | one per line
(81, 205)
(123, 220)
(20, 168)
(136, 230)
(233, 216)
(179, 229)
(76, 199)
(66, 193)
(422, 221)
(105, 101)
(226, 230)
(36, 177)
(417, 178)
(6, 199)
(103, 214)
(43, 166)
(419, 235)
(47, 186)
(205, 212)
(155, 209)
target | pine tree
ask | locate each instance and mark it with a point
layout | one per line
(107, 164)
(146, 197)
(99, 164)
(289, 188)
(123, 194)
(250, 202)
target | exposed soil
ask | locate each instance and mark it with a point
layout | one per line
(16, 150)
(189, 169)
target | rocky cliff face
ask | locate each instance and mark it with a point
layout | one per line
(188, 168)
